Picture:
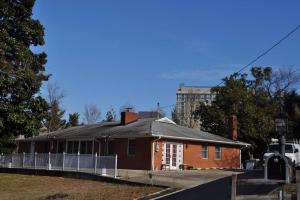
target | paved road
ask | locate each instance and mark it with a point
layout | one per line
(220, 189)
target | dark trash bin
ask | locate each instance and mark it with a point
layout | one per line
(251, 164)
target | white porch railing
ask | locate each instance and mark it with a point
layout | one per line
(91, 163)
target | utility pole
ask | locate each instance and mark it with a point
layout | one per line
(281, 126)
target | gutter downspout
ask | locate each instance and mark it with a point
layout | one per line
(153, 152)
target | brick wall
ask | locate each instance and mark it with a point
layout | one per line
(230, 155)
(142, 157)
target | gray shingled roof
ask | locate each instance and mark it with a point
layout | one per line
(141, 128)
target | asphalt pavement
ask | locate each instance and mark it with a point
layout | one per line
(221, 189)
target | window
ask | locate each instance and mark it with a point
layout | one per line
(86, 147)
(131, 147)
(207, 96)
(274, 148)
(204, 152)
(73, 147)
(82, 147)
(46, 146)
(89, 147)
(217, 153)
(111, 149)
(70, 146)
(168, 154)
(61, 147)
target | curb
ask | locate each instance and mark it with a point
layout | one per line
(171, 193)
(155, 194)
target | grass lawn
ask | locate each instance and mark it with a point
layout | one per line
(15, 186)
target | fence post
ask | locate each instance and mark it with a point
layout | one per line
(116, 166)
(298, 183)
(49, 161)
(35, 155)
(23, 160)
(63, 161)
(78, 155)
(95, 169)
(233, 187)
(10, 165)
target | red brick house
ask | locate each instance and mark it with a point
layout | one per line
(147, 144)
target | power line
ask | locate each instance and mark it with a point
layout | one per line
(258, 57)
(167, 106)
(266, 51)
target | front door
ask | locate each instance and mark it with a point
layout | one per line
(172, 155)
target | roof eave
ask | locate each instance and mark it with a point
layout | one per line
(237, 143)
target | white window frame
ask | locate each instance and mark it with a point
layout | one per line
(202, 150)
(218, 152)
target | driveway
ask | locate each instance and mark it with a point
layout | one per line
(176, 179)
(221, 189)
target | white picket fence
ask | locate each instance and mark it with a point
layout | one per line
(91, 163)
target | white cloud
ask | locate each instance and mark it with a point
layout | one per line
(204, 74)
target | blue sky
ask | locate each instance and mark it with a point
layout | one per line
(114, 52)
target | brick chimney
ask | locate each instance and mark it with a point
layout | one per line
(128, 117)
(233, 127)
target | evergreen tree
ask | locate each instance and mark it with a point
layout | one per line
(21, 72)
(250, 101)
(110, 115)
(54, 120)
(73, 120)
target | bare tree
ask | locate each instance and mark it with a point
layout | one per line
(275, 83)
(283, 80)
(54, 120)
(175, 115)
(54, 93)
(92, 114)
(190, 107)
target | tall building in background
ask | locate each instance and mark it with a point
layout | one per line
(188, 98)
